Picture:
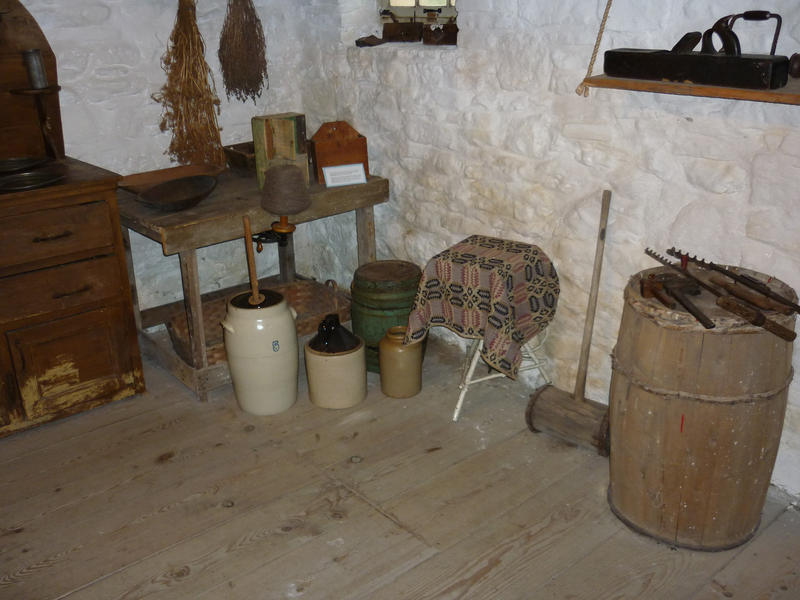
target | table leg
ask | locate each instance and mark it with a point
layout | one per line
(365, 235)
(194, 313)
(126, 242)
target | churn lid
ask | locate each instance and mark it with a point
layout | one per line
(271, 298)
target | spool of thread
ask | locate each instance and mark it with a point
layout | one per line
(285, 193)
(35, 66)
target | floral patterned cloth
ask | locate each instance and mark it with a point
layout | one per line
(502, 291)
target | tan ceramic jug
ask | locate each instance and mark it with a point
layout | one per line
(336, 366)
(400, 364)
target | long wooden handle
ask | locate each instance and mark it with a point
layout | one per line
(751, 296)
(755, 317)
(588, 325)
(690, 306)
(255, 296)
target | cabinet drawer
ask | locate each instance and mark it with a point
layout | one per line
(71, 364)
(46, 234)
(58, 288)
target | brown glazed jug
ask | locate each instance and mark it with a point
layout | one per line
(400, 364)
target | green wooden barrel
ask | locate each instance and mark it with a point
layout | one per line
(382, 296)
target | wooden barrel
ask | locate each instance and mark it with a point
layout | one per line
(696, 417)
(382, 296)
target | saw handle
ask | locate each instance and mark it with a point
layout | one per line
(755, 317)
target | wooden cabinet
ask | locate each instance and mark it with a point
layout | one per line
(68, 338)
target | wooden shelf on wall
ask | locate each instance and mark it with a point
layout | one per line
(789, 94)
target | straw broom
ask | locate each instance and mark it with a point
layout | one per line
(189, 96)
(242, 52)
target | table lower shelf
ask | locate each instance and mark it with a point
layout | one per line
(171, 347)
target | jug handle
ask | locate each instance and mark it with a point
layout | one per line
(227, 327)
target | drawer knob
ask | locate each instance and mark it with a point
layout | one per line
(51, 238)
(80, 290)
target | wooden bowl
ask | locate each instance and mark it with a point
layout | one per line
(178, 194)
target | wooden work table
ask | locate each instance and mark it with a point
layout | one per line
(217, 219)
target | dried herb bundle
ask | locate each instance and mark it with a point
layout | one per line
(242, 52)
(189, 97)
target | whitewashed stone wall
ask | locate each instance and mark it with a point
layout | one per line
(109, 53)
(488, 137)
(491, 138)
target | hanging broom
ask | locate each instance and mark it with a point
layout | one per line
(242, 52)
(189, 96)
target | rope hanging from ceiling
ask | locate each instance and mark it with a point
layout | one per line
(583, 89)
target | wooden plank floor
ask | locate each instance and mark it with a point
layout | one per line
(160, 496)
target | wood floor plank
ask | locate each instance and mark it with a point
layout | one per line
(161, 496)
(63, 478)
(135, 531)
(630, 565)
(264, 553)
(483, 487)
(750, 576)
(350, 559)
(370, 422)
(126, 452)
(43, 438)
(191, 465)
(505, 557)
(415, 452)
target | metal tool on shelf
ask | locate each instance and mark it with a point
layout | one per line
(724, 66)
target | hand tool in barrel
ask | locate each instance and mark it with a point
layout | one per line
(667, 288)
(743, 279)
(731, 304)
(750, 296)
(652, 286)
(678, 288)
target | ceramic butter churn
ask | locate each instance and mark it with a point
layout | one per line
(261, 344)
